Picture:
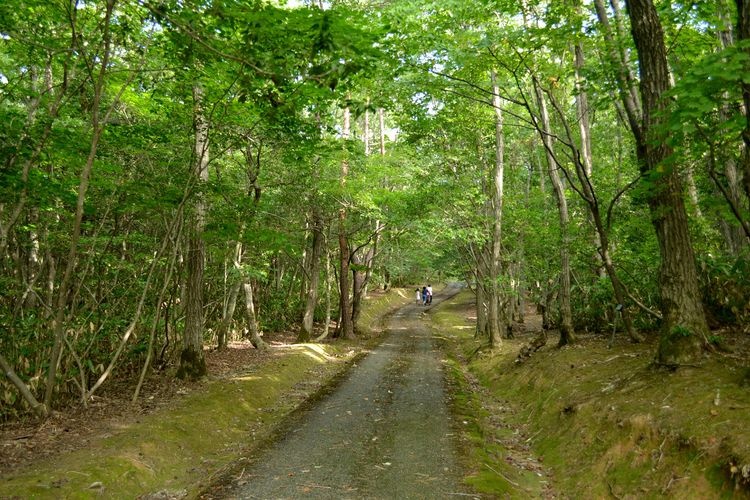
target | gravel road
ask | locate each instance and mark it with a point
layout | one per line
(385, 432)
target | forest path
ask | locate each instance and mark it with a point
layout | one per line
(385, 432)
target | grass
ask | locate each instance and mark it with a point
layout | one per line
(177, 451)
(602, 421)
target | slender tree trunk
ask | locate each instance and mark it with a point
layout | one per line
(157, 307)
(372, 251)
(226, 320)
(735, 237)
(311, 301)
(684, 327)
(252, 321)
(627, 82)
(584, 129)
(378, 224)
(587, 193)
(481, 304)
(370, 257)
(38, 408)
(497, 314)
(381, 128)
(346, 326)
(366, 132)
(567, 335)
(304, 284)
(329, 302)
(358, 283)
(192, 360)
(97, 124)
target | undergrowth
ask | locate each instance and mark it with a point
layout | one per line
(177, 451)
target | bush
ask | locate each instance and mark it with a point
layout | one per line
(725, 285)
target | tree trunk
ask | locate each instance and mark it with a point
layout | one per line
(329, 302)
(587, 193)
(366, 131)
(497, 314)
(584, 129)
(192, 360)
(566, 317)
(359, 283)
(252, 321)
(38, 408)
(346, 327)
(684, 325)
(305, 334)
(735, 237)
(626, 79)
(481, 301)
(370, 257)
(743, 35)
(226, 320)
(98, 124)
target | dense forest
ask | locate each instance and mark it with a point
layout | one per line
(181, 174)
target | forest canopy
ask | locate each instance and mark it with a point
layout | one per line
(181, 174)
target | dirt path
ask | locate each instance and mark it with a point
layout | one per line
(384, 433)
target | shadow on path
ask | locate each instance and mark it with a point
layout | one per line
(385, 432)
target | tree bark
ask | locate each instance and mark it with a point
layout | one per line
(305, 334)
(684, 326)
(588, 194)
(736, 238)
(250, 317)
(626, 79)
(358, 285)
(328, 301)
(192, 360)
(38, 408)
(567, 335)
(497, 313)
(346, 326)
(481, 304)
(222, 335)
(98, 124)
(584, 129)
(743, 34)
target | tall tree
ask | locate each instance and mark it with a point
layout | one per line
(545, 130)
(346, 327)
(684, 323)
(498, 314)
(192, 360)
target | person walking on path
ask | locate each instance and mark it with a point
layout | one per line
(419, 296)
(429, 294)
(424, 295)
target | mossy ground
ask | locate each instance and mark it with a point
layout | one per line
(176, 451)
(603, 422)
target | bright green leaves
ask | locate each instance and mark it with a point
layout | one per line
(706, 96)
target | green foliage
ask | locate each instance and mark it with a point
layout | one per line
(276, 79)
(680, 331)
(724, 283)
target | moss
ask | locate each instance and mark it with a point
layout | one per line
(192, 365)
(605, 424)
(173, 450)
(485, 457)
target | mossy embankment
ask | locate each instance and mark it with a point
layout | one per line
(586, 421)
(175, 451)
